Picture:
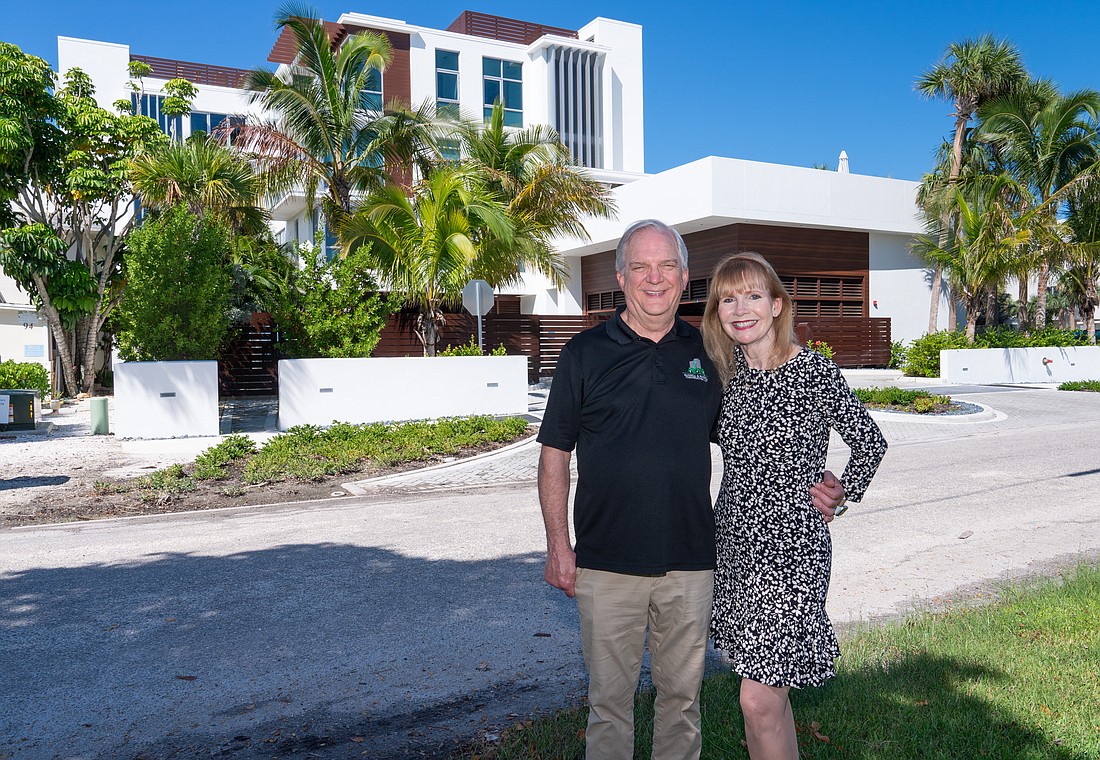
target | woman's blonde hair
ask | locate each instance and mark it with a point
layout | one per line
(739, 272)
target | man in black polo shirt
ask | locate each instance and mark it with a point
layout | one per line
(637, 397)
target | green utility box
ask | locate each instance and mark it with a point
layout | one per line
(100, 425)
(19, 409)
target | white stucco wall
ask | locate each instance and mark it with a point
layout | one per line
(321, 391)
(165, 399)
(624, 131)
(902, 287)
(1020, 365)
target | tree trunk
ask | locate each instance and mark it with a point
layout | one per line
(1041, 296)
(428, 325)
(934, 306)
(1021, 303)
(88, 340)
(1090, 324)
(991, 316)
(69, 386)
(971, 323)
(952, 310)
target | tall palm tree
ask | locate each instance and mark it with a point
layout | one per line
(531, 173)
(328, 133)
(976, 250)
(426, 246)
(970, 73)
(1080, 280)
(1049, 141)
(205, 176)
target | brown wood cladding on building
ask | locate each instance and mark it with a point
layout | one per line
(793, 251)
(196, 73)
(397, 79)
(505, 29)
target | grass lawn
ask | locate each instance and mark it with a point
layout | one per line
(1017, 678)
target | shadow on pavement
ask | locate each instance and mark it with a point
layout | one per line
(332, 649)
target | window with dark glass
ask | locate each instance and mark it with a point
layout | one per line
(503, 83)
(153, 107)
(446, 82)
(370, 99)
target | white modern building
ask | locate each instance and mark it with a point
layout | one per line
(840, 240)
(23, 333)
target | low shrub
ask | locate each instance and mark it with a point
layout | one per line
(212, 463)
(1081, 385)
(898, 351)
(471, 349)
(308, 452)
(167, 481)
(821, 347)
(24, 376)
(1048, 337)
(922, 359)
(919, 401)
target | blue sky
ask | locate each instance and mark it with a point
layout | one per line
(785, 82)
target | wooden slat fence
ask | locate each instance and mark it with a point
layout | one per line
(856, 341)
(249, 366)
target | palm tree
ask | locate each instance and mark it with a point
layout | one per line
(427, 246)
(329, 133)
(1049, 142)
(976, 250)
(204, 176)
(970, 73)
(531, 173)
(1079, 281)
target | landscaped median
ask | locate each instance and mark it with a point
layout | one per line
(304, 463)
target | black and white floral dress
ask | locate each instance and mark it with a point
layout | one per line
(774, 551)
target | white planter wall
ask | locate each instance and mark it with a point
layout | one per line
(321, 391)
(165, 399)
(1020, 365)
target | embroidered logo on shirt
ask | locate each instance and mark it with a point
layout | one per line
(695, 371)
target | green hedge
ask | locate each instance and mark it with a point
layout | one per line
(24, 375)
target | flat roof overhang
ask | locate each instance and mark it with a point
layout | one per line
(716, 192)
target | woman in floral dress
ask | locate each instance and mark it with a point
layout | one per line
(774, 551)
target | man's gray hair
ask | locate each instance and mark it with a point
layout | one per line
(624, 241)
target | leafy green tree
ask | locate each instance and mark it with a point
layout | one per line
(65, 196)
(178, 289)
(1049, 141)
(970, 73)
(327, 132)
(334, 308)
(426, 246)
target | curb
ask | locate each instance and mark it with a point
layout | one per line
(987, 414)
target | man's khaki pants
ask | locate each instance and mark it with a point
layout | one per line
(614, 611)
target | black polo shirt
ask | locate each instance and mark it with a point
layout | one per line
(640, 415)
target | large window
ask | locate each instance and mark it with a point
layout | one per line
(206, 122)
(504, 83)
(371, 97)
(446, 83)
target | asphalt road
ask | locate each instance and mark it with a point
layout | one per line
(399, 625)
